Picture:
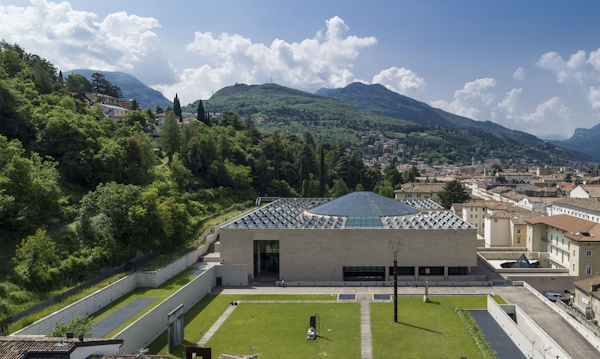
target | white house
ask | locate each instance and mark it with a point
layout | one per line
(534, 204)
(586, 191)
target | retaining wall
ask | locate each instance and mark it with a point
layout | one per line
(543, 342)
(582, 319)
(545, 283)
(148, 327)
(84, 306)
(586, 333)
(510, 328)
(232, 275)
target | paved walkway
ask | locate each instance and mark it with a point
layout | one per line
(206, 337)
(366, 347)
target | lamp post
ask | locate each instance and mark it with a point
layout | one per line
(394, 246)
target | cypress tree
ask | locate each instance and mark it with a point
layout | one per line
(60, 78)
(176, 107)
(322, 178)
(201, 115)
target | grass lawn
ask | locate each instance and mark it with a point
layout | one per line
(498, 299)
(424, 330)
(162, 292)
(279, 330)
(206, 312)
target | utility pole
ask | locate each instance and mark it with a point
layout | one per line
(394, 246)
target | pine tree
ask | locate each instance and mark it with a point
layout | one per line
(322, 174)
(60, 78)
(170, 136)
(98, 82)
(134, 105)
(201, 115)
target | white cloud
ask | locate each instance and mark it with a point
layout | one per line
(519, 74)
(594, 97)
(468, 100)
(399, 80)
(324, 60)
(508, 105)
(78, 39)
(573, 69)
(545, 112)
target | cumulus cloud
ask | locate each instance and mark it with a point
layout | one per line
(594, 97)
(573, 69)
(326, 60)
(78, 39)
(468, 99)
(508, 104)
(551, 109)
(399, 80)
(519, 74)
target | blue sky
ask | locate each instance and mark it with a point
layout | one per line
(461, 56)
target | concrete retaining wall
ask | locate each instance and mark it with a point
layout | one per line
(84, 306)
(148, 327)
(586, 333)
(546, 283)
(510, 328)
(232, 275)
(543, 342)
(386, 284)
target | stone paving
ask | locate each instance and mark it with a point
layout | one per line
(206, 337)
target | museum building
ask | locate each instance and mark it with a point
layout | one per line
(350, 238)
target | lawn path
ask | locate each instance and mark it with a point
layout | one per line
(366, 347)
(206, 337)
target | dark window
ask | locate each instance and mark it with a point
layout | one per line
(431, 270)
(403, 271)
(457, 270)
(364, 273)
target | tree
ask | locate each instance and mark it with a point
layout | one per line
(193, 155)
(170, 136)
(322, 174)
(133, 117)
(36, 262)
(158, 109)
(78, 326)
(385, 189)
(568, 178)
(453, 192)
(78, 84)
(201, 115)
(134, 105)
(99, 82)
(392, 175)
(61, 80)
(411, 175)
(339, 188)
(176, 107)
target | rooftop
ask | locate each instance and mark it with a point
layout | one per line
(575, 228)
(422, 203)
(592, 204)
(363, 204)
(421, 187)
(20, 346)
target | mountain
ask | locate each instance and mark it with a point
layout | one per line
(377, 99)
(583, 140)
(327, 92)
(328, 119)
(131, 87)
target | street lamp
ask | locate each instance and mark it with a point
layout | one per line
(394, 246)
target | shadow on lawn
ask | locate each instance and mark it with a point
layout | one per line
(417, 327)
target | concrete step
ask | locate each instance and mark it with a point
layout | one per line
(211, 257)
(217, 246)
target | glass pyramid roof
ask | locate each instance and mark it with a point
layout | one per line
(363, 204)
(522, 262)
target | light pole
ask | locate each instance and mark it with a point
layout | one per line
(394, 246)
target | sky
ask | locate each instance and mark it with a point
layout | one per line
(527, 65)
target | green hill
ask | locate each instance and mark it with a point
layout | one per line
(131, 87)
(328, 119)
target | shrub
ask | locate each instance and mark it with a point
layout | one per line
(484, 347)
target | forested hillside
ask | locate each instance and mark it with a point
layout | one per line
(293, 112)
(121, 191)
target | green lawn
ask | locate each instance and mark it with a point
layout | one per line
(424, 330)
(162, 292)
(498, 299)
(206, 312)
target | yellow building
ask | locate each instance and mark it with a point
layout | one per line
(419, 191)
(572, 243)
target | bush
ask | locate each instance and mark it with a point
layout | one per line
(484, 347)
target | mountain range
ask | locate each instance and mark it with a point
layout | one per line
(584, 140)
(131, 87)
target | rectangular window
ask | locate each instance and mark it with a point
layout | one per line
(518, 231)
(471, 216)
(573, 267)
(495, 220)
(475, 216)
(518, 239)
(573, 253)
(588, 253)
(588, 269)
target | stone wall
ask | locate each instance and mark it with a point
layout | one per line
(232, 275)
(148, 327)
(545, 283)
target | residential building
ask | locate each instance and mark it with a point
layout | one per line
(571, 242)
(507, 228)
(534, 204)
(587, 297)
(515, 176)
(115, 113)
(419, 190)
(457, 209)
(586, 208)
(586, 191)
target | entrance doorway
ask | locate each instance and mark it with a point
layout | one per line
(266, 258)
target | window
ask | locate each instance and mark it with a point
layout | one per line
(518, 231)
(573, 253)
(518, 239)
(495, 220)
(475, 216)
(588, 253)
(471, 216)
(588, 269)
(573, 267)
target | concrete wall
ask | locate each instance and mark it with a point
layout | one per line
(143, 331)
(497, 232)
(232, 275)
(84, 306)
(469, 281)
(545, 283)
(586, 333)
(321, 254)
(536, 334)
(511, 329)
